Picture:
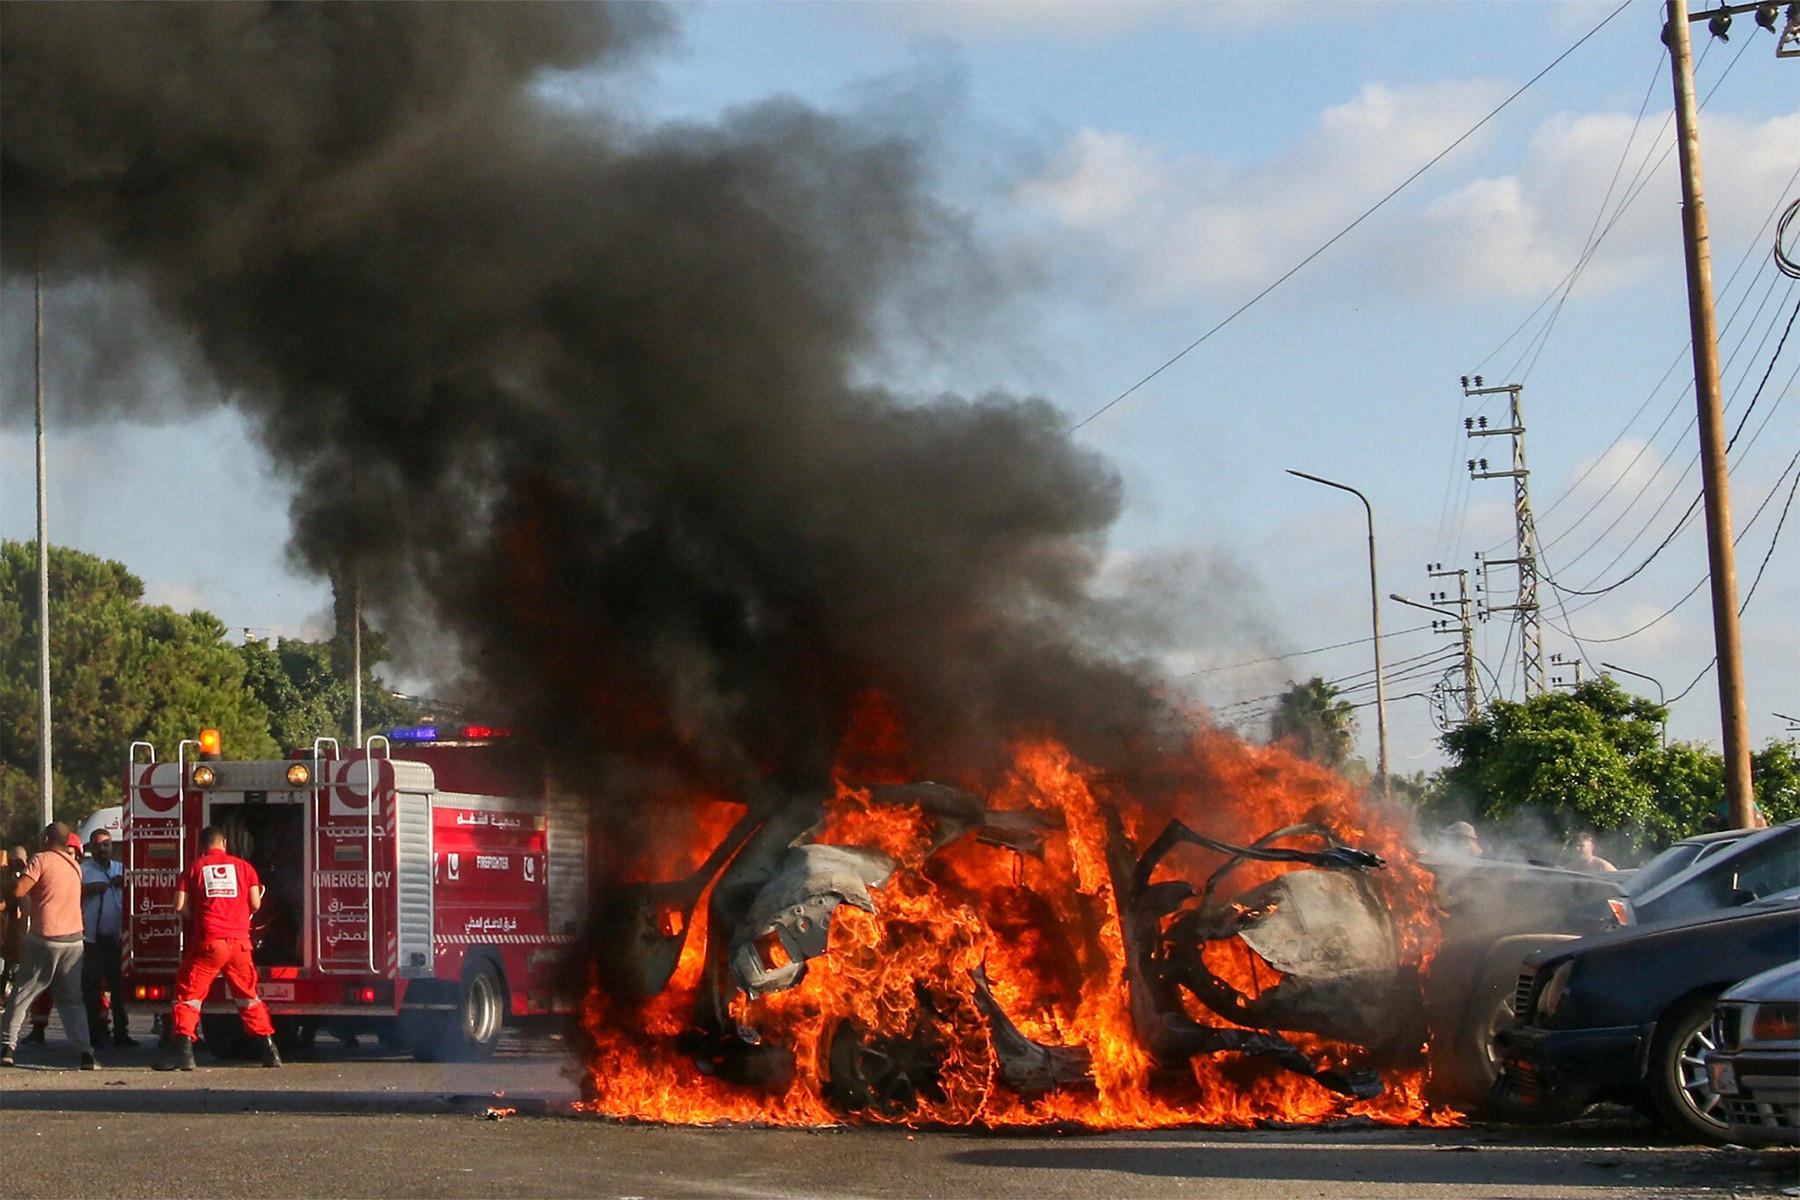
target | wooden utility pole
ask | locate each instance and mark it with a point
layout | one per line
(1734, 718)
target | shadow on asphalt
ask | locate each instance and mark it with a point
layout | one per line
(1677, 1170)
(125, 1098)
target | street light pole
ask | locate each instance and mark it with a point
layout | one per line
(46, 776)
(1661, 702)
(1381, 765)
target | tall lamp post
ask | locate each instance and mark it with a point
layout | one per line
(1659, 693)
(46, 775)
(1381, 765)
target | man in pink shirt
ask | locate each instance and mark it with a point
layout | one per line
(52, 957)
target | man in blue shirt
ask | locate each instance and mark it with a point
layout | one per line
(102, 924)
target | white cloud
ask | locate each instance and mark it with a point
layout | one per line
(1175, 226)
(1165, 228)
(1100, 18)
(1599, 624)
(1628, 463)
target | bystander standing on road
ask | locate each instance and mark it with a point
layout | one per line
(220, 891)
(51, 959)
(103, 923)
(12, 919)
(40, 1008)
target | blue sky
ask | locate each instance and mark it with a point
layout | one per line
(1131, 175)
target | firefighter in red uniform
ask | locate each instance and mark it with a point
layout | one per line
(222, 890)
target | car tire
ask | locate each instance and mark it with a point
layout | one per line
(1469, 1064)
(1680, 1092)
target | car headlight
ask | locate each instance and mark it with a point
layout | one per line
(1776, 1023)
(1553, 991)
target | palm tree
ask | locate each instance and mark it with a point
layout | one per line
(1321, 726)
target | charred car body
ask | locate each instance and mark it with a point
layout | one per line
(1324, 934)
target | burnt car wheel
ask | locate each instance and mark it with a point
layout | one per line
(871, 1073)
(1679, 1089)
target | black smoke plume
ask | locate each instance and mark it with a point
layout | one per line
(574, 392)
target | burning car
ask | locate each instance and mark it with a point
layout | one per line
(914, 952)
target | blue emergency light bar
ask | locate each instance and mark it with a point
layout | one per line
(429, 733)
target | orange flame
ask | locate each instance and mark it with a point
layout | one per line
(1046, 933)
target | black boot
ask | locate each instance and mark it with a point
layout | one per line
(271, 1057)
(179, 1056)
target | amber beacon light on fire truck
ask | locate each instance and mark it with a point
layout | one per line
(203, 775)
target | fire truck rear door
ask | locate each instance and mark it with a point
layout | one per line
(353, 868)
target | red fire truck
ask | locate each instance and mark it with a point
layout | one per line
(425, 888)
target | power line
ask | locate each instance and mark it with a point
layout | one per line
(1568, 281)
(1693, 507)
(1254, 662)
(1742, 530)
(1340, 234)
(1640, 180)
(1750, 252)
(1333, 683)
(1767, 371)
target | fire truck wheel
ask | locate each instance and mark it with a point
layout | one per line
(223, 1034)
(293, 1036)
(480, 1014)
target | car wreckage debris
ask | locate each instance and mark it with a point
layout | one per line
(1320, 927)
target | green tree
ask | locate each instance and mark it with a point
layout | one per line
(1776, 772)
(1572, 758)
(1686, 782)
(305, 688)
(120, 671)
(1316, 721)
(1593, 758)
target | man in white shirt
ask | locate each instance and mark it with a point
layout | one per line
(102, 924)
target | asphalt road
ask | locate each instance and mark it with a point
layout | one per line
(357, 1122)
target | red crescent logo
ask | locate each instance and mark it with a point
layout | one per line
(157, 791)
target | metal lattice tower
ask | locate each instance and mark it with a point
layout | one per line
(1525, 606)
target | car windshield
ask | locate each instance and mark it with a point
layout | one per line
(1759, 865)
(1679, 857)
(1675, 859)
